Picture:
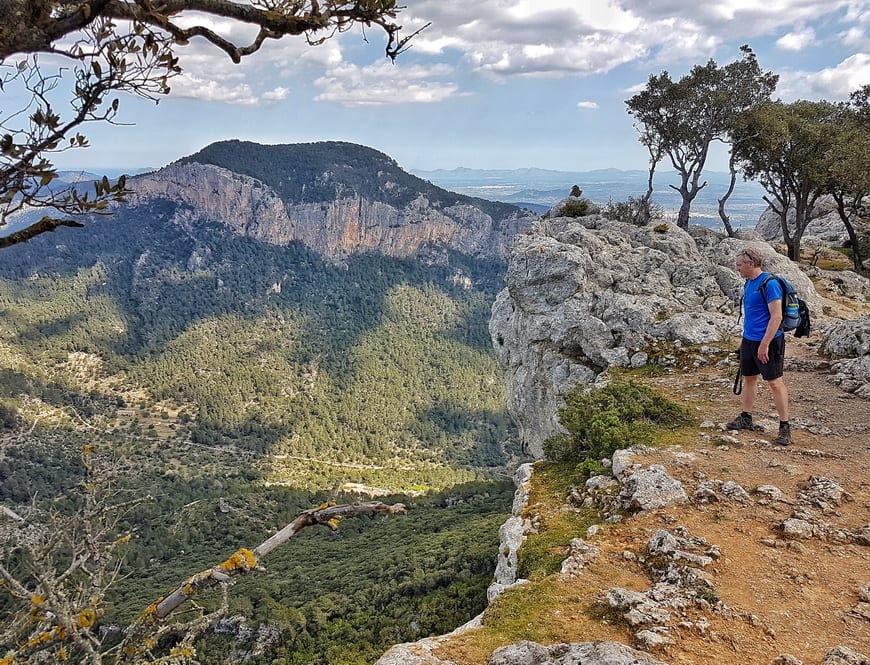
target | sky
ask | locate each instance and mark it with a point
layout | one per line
(490, 84)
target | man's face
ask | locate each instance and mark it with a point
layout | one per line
(744, 266)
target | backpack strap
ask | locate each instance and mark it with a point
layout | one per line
(740, 306)
(763, 286)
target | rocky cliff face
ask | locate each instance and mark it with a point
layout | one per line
(349, 224)
(584, 294)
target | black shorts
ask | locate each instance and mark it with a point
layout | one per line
(750, 365)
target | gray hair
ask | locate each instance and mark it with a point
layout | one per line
(752, 255)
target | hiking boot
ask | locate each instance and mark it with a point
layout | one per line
(743, 421)
(784, 436)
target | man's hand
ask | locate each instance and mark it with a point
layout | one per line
(764, 352)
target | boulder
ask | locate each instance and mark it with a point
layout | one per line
(853, 375)
(825, 225)
(848, 339)
(843, 655)
(651, 488)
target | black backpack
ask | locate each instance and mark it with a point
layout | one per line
(795, 313)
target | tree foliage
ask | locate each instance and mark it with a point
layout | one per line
(682, 118)
(56, 568)
(324, 595)
(784, 147)
(63, 63)
(377, 371)
(847, 166)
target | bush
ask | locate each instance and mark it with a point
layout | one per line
(574, 208)
(603, 420)
(9, 418)
(633, 211)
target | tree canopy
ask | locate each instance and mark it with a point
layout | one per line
(682, 118)
(783, 147)
(847, 166)
(106, 47)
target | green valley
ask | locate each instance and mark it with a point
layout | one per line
(239, 383)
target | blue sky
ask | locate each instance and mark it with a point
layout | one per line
(490, 84)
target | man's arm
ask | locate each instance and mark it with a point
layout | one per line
(775, 309)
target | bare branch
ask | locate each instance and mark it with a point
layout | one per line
(42, 226)
(245, 560)
(8, 512)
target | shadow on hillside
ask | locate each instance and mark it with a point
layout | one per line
(466, 436)
(164, 280)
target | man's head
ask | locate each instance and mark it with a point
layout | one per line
(748, 263)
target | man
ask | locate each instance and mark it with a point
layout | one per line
(762, 350)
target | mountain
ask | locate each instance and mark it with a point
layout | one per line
(337, 198)
(375, 359)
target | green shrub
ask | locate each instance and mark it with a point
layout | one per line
(661, 228)
(574, 208)
(633, 211)
(9, 418)
(602, 420)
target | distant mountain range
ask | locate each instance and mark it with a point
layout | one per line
(538, 189)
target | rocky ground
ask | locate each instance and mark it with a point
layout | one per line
(794, 570)
(764, 559)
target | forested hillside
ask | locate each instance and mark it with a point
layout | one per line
(238, 383)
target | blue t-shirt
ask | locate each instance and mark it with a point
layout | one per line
(756, 315)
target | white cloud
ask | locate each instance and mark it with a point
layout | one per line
(507, 38)
(275, 95)
(193, 87)
(832, 83)
(530, 37)
(636, 88)
(795, 41)
(587, 105)
(855, 37)
(385, 83)
(189, 85)
(750, 17)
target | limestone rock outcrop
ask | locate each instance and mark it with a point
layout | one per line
(825, 226)
(825, 223)
(582, 653)
(848, 339)
(511, 536)
(335, 229)
(584, 294)
(849, 342)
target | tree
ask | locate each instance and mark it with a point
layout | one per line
(848, 166)
(783, 146)
(106, 47)
(682, 118)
